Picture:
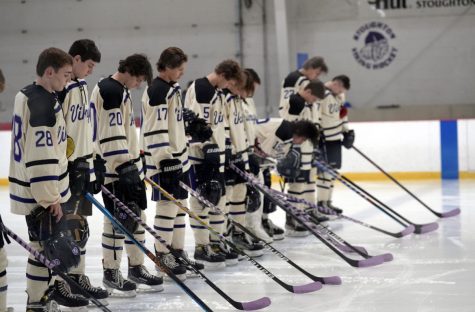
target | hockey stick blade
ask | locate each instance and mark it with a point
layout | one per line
(310, 287)
(331, 280)
(448, 214)
(407, 231)
(253, 305)
(366, 263)
(426, 228)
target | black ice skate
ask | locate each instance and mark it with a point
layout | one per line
(245, 243)
(145, 281)
(116, 285)
(221, 249)
(64, 297)
(46, 304)
(83, 281)
(335, 209)
(168, 260)
(294, 229)
(205, 255)
(316, 216)
(273, 230)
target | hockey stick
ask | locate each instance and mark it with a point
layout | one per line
(331, 280)
(408, 230)
(147, 252)
(51, 265)
(247, 306)
(300, 289)
(303, 219)
(447, 214)
(419, 228)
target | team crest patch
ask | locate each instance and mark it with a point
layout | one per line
(374, 48)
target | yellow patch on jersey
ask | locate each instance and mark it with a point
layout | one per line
(70, 147)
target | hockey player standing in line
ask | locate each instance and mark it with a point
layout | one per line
(3, 254)
(302, 106)
(39, 168)
(166, 152)
(118, 145)
(297, 80)
(205, 98)
(235, 185)
(258, 221)
(74, 102)
(335, 128)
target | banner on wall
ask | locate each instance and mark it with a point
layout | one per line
(419, 4)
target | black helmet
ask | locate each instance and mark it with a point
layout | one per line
(211, 190)
(76, 227)
(253, 199)
(62, 251)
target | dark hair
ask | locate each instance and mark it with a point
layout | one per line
(255, 77)
(248, 84)
(305, 128)
(136, 65)
(52, 57)
(316, 62)
(230, 70)
(86, 49)
(171, 57)
(345, 81)
(316, 87)
(2, 78)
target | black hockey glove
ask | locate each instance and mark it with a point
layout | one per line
(100, 172)
(171, 171)
(239, 163)
(289, 166)
(348, 138)
(78, 171)
(196, 127)
(130, 184)
(211, 161)
(228, 153)
(212, 190)
(254, 164)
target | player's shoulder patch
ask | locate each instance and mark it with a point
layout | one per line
(291, 80)
(112, 93)
(284, 131)
(204, 90)
(41, 104)
(158, 91)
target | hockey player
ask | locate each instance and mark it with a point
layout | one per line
(334, 123)
(38, 176)
(118, 145)
(253, 213)
(206, 99)
(235, 185)
(166, 152)
(74, 101)
(302, 106)
(297, 80)
(278, 138)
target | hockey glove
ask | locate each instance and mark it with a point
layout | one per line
(100, 172)
(289, 166)
(130, 184)
(348, 138)
(171, 171)
(78, 171)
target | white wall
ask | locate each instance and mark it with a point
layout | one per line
(395, 146)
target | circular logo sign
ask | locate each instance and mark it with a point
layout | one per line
(374, 48)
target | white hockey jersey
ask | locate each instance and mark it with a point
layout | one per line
(209, 103)
(117, 141)
(274, 137)
(293, 83)
(38, 166)
(163, 128)
(235, 116)
(74, 100)
(332, 125)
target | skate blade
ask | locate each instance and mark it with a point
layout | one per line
(290, 233)
(181, 277)
(144, 289)
(254, 254)
(232, 262)
(278, 237)
(104, 302)
(114, 293)
(72, 309)
(213, 265)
